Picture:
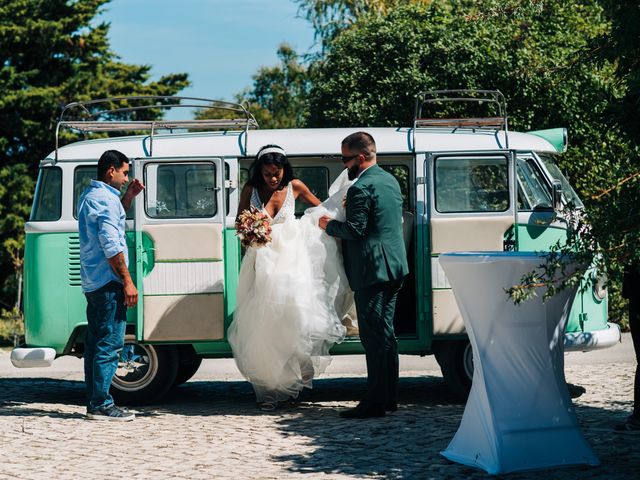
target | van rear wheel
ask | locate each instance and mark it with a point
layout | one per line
(455, 358)
(145, 372)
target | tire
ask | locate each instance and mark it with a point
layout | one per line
(187, 365)
(145, 372)
(455, 358)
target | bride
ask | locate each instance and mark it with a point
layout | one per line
(292, 292)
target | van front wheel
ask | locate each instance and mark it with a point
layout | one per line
(455, 358)
(145, 372)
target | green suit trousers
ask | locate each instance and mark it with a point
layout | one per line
(376, 305)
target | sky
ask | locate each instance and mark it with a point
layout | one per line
(219, 43)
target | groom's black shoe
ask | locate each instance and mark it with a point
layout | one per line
(363, 411)
(390, 407)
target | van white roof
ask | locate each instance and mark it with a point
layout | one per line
(300, 142)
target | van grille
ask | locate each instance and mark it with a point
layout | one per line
(73, 257)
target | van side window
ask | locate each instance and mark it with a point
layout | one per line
(533, 191)
(317, 179)
(82, 177)
(47, 204)
(471, 184)
(401, 173)
(180, 190)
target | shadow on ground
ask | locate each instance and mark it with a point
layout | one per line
(220, 397)
(405, 444)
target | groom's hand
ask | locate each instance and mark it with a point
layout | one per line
(323, 221)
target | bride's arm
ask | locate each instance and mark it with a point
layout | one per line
(300, 190)
(245, 199)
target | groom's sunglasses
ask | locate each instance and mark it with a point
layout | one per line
(348, 159)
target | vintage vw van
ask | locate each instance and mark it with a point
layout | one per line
(468, 184)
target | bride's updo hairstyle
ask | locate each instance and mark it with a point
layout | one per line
(270, 155)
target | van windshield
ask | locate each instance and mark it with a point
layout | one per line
(533, 191)
(567, 190)
(47, 203)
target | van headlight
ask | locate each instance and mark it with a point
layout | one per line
(600, 287)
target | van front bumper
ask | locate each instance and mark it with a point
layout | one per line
(585, 341)
(22, 357)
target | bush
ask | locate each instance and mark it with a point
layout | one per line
(11, 327)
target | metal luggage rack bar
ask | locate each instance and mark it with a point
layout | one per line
(491, 97)
(95, 116)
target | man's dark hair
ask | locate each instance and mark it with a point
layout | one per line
(278, 159)
(110, 158)
(361, 142)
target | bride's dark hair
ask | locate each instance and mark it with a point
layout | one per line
(274, 156)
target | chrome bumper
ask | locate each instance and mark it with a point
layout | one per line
(584, 341)
(32, 357)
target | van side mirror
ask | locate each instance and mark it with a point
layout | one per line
(556, 194)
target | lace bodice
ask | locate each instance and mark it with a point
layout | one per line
(287, 211)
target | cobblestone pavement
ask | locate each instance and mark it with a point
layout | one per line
(212, 429)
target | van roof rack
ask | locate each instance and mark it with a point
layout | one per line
(491, 97)
(114, 115)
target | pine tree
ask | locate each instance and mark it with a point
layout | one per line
(52, 52)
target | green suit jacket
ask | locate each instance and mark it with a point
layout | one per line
(372, 247)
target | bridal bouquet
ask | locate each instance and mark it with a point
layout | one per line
(253, 228)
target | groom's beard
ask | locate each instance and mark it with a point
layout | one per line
(352, 174)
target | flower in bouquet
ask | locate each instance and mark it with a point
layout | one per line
(253, 228)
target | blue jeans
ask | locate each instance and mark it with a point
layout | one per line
(104, 338)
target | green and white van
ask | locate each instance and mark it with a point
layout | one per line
(469, 184)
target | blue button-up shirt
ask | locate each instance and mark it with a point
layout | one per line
(101, 222)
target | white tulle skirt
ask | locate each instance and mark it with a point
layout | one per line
(291, 297)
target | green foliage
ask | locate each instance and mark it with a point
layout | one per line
(52, 52)
(16, 189)
(607, 167)
(278, 98)
(375, 68)
(11, 327)
(330, 17)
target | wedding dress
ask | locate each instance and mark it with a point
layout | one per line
(291, 296)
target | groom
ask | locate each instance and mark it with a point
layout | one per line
(375, 261)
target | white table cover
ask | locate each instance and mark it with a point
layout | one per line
(519, 415)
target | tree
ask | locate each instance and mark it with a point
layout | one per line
(545, 57)
(280, 92)
(51, 53)
(330, 17)
(609, 234)
(278, 97)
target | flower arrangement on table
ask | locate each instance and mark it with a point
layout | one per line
(253, 228)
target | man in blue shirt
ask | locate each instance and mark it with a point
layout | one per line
(105, 277)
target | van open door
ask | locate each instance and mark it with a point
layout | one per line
(179, 234)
